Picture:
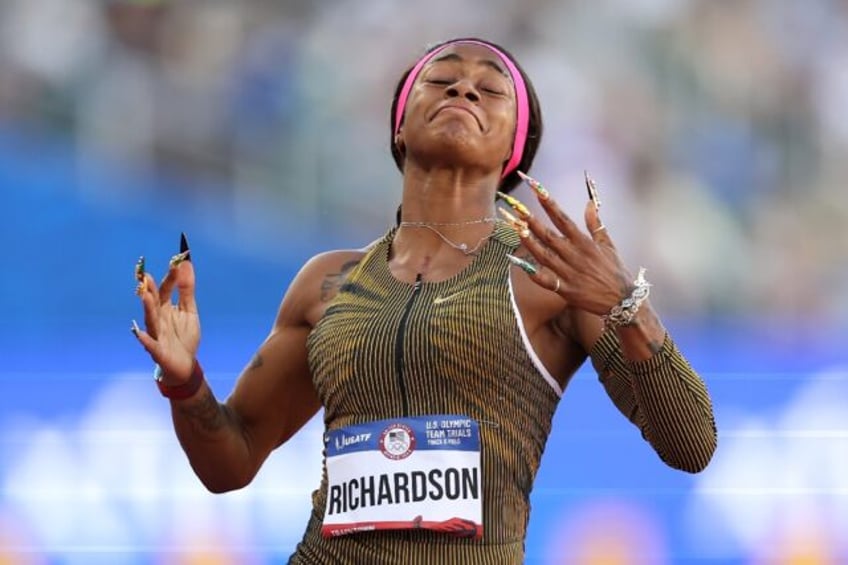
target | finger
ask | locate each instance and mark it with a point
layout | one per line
(543, 276)
(166, 287)
(531, 225)
(557, 243)
(150, 303)
(185, 287)
(545, 256)
(597, 229)
(150, 345)
(562, 221)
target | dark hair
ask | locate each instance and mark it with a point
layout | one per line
(534, 127)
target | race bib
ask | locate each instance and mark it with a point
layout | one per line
(405, 473)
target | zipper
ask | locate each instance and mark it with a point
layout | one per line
(399, 345)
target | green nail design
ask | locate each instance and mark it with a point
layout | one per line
(515, 204)
(526, 266)
(535, 185)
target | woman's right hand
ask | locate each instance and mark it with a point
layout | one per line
(172, 330)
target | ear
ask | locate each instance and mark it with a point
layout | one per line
(399, 143)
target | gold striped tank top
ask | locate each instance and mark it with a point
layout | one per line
(387, 349)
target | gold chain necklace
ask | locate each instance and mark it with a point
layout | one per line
(461, 247)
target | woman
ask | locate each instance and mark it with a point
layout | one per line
(438, 354)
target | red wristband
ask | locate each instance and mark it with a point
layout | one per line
(183, 391)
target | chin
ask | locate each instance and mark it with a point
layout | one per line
(456, 138)
(452, 144)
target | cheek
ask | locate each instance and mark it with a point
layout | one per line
(506, 125)
(414, 106)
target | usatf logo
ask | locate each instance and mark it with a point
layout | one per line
(397, 441)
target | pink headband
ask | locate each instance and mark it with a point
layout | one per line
(522, 118)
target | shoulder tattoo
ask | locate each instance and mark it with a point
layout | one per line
(332, 282)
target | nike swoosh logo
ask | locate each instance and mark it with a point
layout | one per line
(441, 299)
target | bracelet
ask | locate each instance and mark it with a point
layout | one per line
(181, 391)
(622, 314)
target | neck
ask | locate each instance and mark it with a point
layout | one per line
(447, 195)
(444, 211)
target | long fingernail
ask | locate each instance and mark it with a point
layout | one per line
(134, 328)
(184, 247)
(139, 269)
(515, 204)
(541, 191)
(519, 226)
(139, 288)
(592, 190)
(179, 258)
(526, 266)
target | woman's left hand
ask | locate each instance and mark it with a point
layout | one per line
(582, 267)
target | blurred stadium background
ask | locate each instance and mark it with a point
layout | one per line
(717, 132)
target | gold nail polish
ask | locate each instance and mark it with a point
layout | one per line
(519, 226)
(541, 191)
(139, 269)
(515, 204)
(178, 258)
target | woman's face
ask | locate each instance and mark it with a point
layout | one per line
(461, 110)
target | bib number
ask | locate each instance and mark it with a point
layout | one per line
(405, 473)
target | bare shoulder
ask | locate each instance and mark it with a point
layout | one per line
(330, 270)
(316, 284)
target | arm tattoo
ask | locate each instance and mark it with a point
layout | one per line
(205, 415)
(333, 281)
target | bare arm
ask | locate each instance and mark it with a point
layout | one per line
(226, 443)
(273, 398)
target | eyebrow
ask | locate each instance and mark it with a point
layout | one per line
(485, 62)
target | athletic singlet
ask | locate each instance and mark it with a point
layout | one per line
(387, 349)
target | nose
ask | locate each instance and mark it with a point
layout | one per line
(463, 88)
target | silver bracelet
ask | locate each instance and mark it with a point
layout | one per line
(622, 314)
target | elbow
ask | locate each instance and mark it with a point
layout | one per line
(221, 486)
(696, 465)
(697, 459)
(219, 489)
(218, 482)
